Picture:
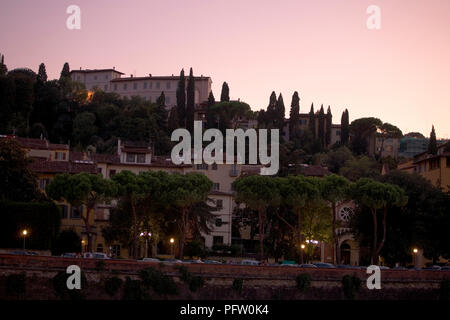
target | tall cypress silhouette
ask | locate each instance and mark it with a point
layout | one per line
(181, 100)
(225, 94)
(190, 102)
(294, 116)
(312, 121)
(329, 123)
(322, 126)
(432, 145)
(344, 128)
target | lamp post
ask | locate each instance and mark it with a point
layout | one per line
(415, 250)
(146, 235)
(172, 241)
(24, 234)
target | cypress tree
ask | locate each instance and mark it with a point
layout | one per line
(329, 122)
(294, 116)
(271, 108)
(312, 121)
(65, 72)
(181, 100)
(42, 73)
(190, 103)
(322, 126)
(210, 116)
(432, 145)
(280, 112)
(3, 68)
(173, 122)
(225, 94)
(344, 128)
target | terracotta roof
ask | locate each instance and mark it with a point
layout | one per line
(314, 171)
(42, 144)
(94, 70)
(44, 166)
(155, 78)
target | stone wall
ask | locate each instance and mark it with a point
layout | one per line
(259, 282)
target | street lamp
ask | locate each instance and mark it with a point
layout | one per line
(24, 234)
(146, 235)
(415, 250)
(172, 241)
(302, 246)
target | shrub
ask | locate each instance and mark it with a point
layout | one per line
(303, 281)
(351, 286)
(159, 282)
(444, 290)
(15, 284)
(132, 290)
(112, 285)
(100, 265)
(186, 276)
(237, 285)
(196, 283)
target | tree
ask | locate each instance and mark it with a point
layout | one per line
(210, 115)
(18, 181)
(329, 122)
(362, 131)
(335, 189)
(378, 196)
(65, 72)
(345, 128)
(68, 241)
(321, 130)
(279, 113)
(65, 81)
(3, 68)
(190, 104)
(225, 94)
(181, 100)
(186, 192)
(7, 102)
(297, 192)
(84, 127)
(387, 131)
(432, 144)
(338, 158)
(360, 167)
(82, 189)
(294, 116)
(257, 193)
(173, 122)
(312, 121)
(42, 73)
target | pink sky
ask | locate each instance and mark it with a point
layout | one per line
(320, 48)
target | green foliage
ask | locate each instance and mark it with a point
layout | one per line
(67, 241)
(195, 249)
(225, 94)
(360, 167)
(42, 219)
(100, 265)
(351, 286)
(132, 289)
(159, 282)
(61, 290)
(238, 285)
(432, 144)
(15, 284)
(112, 285)
(303, 282)
(196, 283)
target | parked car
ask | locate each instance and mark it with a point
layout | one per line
(346, 266)
(150, 260)
(69, 255)
(212, 262)
(433, 268)
(95, 255)
(324, 265)
(307, 265)
(399, 268)
(192, 261)
(172, 261)
(250, 262)
(445, 268)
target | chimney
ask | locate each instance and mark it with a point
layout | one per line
(149, 74)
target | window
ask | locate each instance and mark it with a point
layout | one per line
(434, 164)
(99, 247)
(115, 251)
(135, 86)
(216, 186)
(448, 162)
(219, 222)
(202, 166)
(95, 77)
(112, 173)
(151, 84)
(141, 158)
(214, 166)
(167, 100)
(43, 183)
(106, 87)
(217, 240)
(219, 204)
(157, 85)
(75, 212)
(338, 132)
(78, 78)
(106, 77)
(131, 157)
(145, 85)
(60, 156)
(125, 86)
(115, 86)
(168, 84)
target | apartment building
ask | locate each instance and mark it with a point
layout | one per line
(148, 87)
(51, 159)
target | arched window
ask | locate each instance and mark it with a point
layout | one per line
(345, 213)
